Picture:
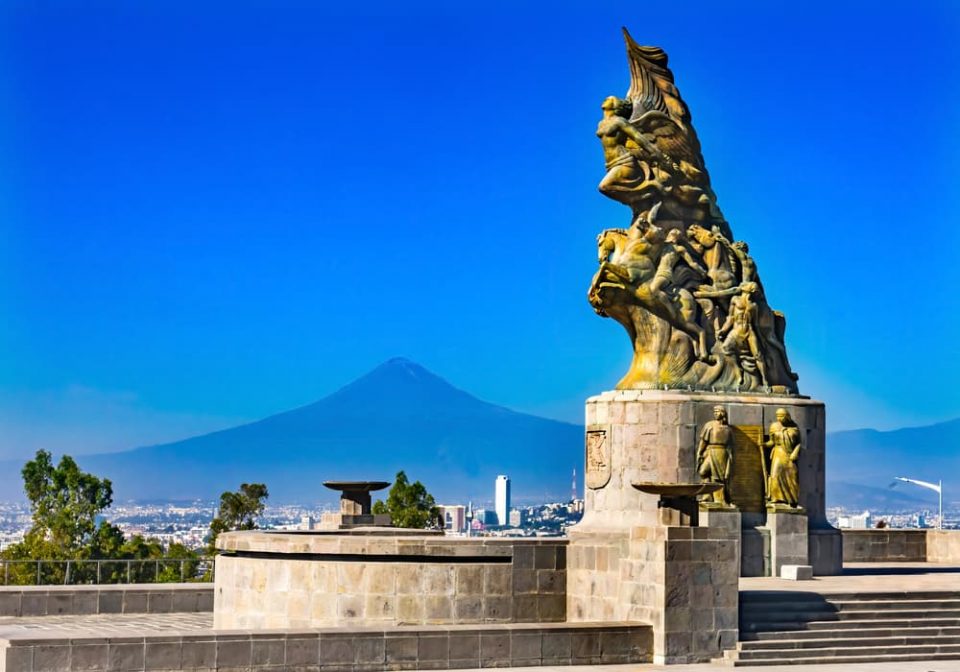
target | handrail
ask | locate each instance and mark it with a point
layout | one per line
(104, 571)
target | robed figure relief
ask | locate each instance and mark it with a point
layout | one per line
(783, 482)
(687, 293)
(715, 455)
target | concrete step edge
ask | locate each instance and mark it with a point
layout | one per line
(832, 651)
(809, 626)
(843, 659)
(856, 643)
(848, 633)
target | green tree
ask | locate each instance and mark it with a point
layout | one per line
(65, 504)
(238, 511)
(409, 504)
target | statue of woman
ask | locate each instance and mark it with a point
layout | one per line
(783, 483)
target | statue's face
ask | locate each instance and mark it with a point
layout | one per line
(781, 415)
(719, 414)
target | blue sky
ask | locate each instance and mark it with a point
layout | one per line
(210, 213)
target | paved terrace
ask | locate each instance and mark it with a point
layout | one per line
(867, 577)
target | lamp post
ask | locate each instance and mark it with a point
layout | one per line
(938, 488)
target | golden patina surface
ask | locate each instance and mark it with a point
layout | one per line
(688, 294)
(783, 483)
(747, 481)
(715, 455)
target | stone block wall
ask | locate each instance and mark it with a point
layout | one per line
(901, 545)
(346, 580)
(681, 580)
(336, 650)
(161, 598)
(943, 546)
(885, 545)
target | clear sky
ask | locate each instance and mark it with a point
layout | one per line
(214, 212)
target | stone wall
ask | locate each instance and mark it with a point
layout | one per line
(901, 545)
(339, 650)
(152, 598)
(943, 546)
(884, 545)
(681, 580)
(283, 581)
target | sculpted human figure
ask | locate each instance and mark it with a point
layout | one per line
(627, 172)
(673, 252)
(741, 325)
(783, 484)
(673, 281)
(715, 453)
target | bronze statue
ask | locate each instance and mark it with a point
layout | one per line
(742, 341)
(690, 300)
(715, 454)
(783, 484)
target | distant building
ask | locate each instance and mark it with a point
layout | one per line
(863, 521)
(307, 523)
(517, 518)
(485, 517)
(502, 500)
(454, 518)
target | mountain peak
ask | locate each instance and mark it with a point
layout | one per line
(399, 379)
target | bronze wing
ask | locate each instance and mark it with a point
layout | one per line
(658, 109)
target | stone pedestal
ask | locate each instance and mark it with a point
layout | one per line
(628, 561)
(681, 580)
(651, 435)
(788, 539)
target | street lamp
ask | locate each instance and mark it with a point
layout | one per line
(938, 488)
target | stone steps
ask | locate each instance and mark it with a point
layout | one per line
(852, 605)
(791, 627)
(948, 628)
(786, 628)
(850, 660)
(866, 640)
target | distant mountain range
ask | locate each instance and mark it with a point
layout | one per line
(398, 416)
(401, 416)
(862, 463)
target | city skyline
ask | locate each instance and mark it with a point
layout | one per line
(187, 226)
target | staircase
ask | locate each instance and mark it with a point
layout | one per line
(793, 628)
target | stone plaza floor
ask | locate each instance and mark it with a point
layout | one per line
(864, 577)
(103, 625)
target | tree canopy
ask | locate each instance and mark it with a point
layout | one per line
(64, 504)
(409, 504)
(239, 510)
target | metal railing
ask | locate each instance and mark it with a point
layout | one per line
(104, 571)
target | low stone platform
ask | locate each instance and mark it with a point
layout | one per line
(104, 644)
(379, 577)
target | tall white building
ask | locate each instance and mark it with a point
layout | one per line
(502, 500)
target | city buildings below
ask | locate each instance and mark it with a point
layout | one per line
(189, 524)
(454, 518)
(502, 500)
